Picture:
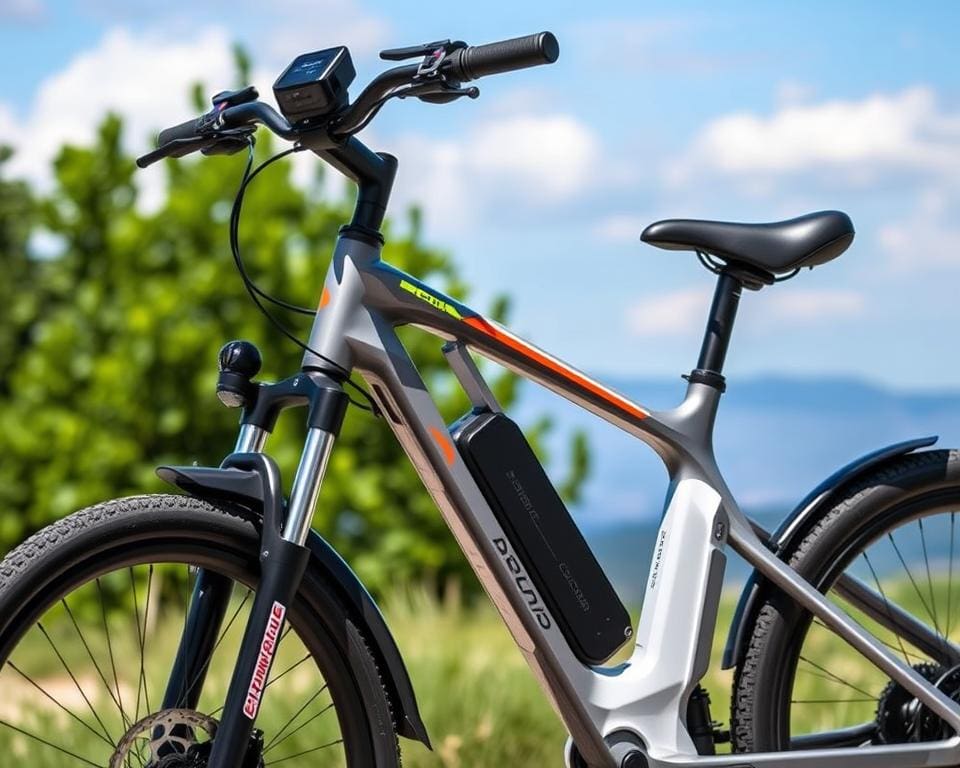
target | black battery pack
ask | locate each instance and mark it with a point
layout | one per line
(544, 535)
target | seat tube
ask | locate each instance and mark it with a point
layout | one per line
(716, 337)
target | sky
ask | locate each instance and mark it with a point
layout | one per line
(540, 188)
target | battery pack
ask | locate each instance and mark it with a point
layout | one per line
(544, 535)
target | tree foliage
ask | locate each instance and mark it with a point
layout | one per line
(108, 348)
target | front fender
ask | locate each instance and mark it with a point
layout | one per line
(794, 526)
(374, 628)
(253, 481)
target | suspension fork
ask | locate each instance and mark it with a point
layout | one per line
(252, 478)
(283, 559)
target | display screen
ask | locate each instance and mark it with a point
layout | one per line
(308, 68)
(315, 84)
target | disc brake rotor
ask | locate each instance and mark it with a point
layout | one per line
(167, 736)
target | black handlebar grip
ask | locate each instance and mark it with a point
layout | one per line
(478, 61)
(187, 130)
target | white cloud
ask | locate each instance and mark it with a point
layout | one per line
(793, 92)
(525, 160)
(660, 45)
(22, 10)
(522, 158)
(627, 40)
(679, 313)
(144, 78)
(784, 305)
(549, 156)
(855, 140)
(621, 227)
(306, 25)
(683, 312)
(927, 237)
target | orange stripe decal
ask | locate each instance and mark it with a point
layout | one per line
(324, 297)
(536, 355)
(446, 446)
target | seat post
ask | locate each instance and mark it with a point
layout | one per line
(716, 338)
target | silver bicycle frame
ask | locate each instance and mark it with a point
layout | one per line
(364, 300)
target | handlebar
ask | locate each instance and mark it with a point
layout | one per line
(228, 127)
(222, 133)
(474, 62)
(186, 130)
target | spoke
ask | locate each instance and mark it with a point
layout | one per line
(141, 680)
(232, 619)
(926, 561)
(288, 669)
(184, 643)
(216, 645)
(51, 744)
(73, 677)
(96, 666)
(113, 665)
(143, 641)
(891, 646)
(270, 682)
(830, 701)
(912, 580)
(953, 520)
(72, 714)
(301, 727)
(886, 602)
(306, 752)
(827, 674)
(290, 722)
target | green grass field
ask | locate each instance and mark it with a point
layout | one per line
(478, 698)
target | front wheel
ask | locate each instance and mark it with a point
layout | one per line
(92, 610)
(801, 686)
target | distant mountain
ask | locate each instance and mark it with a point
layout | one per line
(776, 438)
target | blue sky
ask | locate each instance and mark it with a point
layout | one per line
(540, 188)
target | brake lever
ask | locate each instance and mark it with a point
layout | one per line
(418, 51)
(224, 143)
(439, 92)
(229, 144)
(226, 99)
(175, 148)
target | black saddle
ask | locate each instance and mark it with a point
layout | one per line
(765, 250)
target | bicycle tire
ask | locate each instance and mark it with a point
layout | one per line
(101, 539)
(911, 488)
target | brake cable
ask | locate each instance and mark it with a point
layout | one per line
(256, 293)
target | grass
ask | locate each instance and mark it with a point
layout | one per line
(478, 698)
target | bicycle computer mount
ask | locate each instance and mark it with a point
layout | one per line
(315, 84)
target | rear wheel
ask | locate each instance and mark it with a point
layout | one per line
(91, 614)
(800, 686)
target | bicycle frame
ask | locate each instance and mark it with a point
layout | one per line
(609, 712)
(363, 301)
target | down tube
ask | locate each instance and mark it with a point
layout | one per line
(414, 418)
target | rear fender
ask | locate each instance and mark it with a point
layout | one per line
(794, 527)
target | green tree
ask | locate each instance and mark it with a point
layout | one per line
(110, 354)
(17, 216)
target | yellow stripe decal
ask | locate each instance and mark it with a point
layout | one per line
(432, 300)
